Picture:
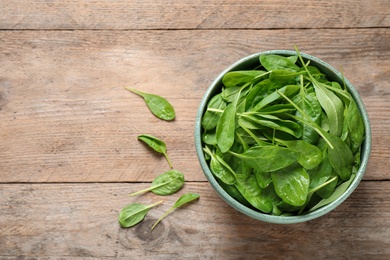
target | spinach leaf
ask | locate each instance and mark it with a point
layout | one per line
(312, 108)
(239, 78)
(309, 156)
(259, 120)
(159, 106)
(233, 93)
(321, 175)
(210, 118)
(225, 128)
(252, 193)
(340, 156)
(221, 170)
(209, 138)
(258, 92)
(336, 194)
(326, 189)
(278, 62)
(263, 178)
(268, 158)
(333, 106)
(291, 184)
(134, 213)
(165, 184)
(157, 145)
(234, 192)
(284, 77)
(355, 126)
(289, 90)
(184, 199)
(277, 109)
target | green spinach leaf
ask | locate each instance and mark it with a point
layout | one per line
(239, 78)
(165, 184)
(309, 156)
(251, 191)
(339, 191)
(210, 118)
(268, 158)
(225, 128)
(277, 62)
(292, 184)
(159, 106)
(134, 213)
(340, 156)
(157, 145)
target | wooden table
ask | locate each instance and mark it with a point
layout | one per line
(69, 154)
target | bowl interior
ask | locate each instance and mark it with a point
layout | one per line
(249, 63)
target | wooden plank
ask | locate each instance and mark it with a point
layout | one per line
(199, 14)
(80, 221)
(65, 116)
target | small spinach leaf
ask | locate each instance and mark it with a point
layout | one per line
(165, 184)
(157, 145)
(134, 213)
(159, 106)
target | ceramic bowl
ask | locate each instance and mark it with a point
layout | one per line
(250, 62)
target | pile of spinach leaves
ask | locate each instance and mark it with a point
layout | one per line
(282, 138)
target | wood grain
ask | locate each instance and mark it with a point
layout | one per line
(65, 116)
(80, 220)
(198, 14)
(69, 155)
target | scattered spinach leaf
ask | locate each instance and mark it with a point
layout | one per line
(134, 213)
(159, 106)
(166, 183)
(157, 145)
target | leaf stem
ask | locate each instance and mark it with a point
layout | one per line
(148, 189)
(135, 91)
(323, 185)
(163, 216)
(168, 160)
(257, 140)
(215, 110)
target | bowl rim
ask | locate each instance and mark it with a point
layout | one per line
(366, 150)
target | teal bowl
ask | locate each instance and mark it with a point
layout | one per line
(250, 62)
